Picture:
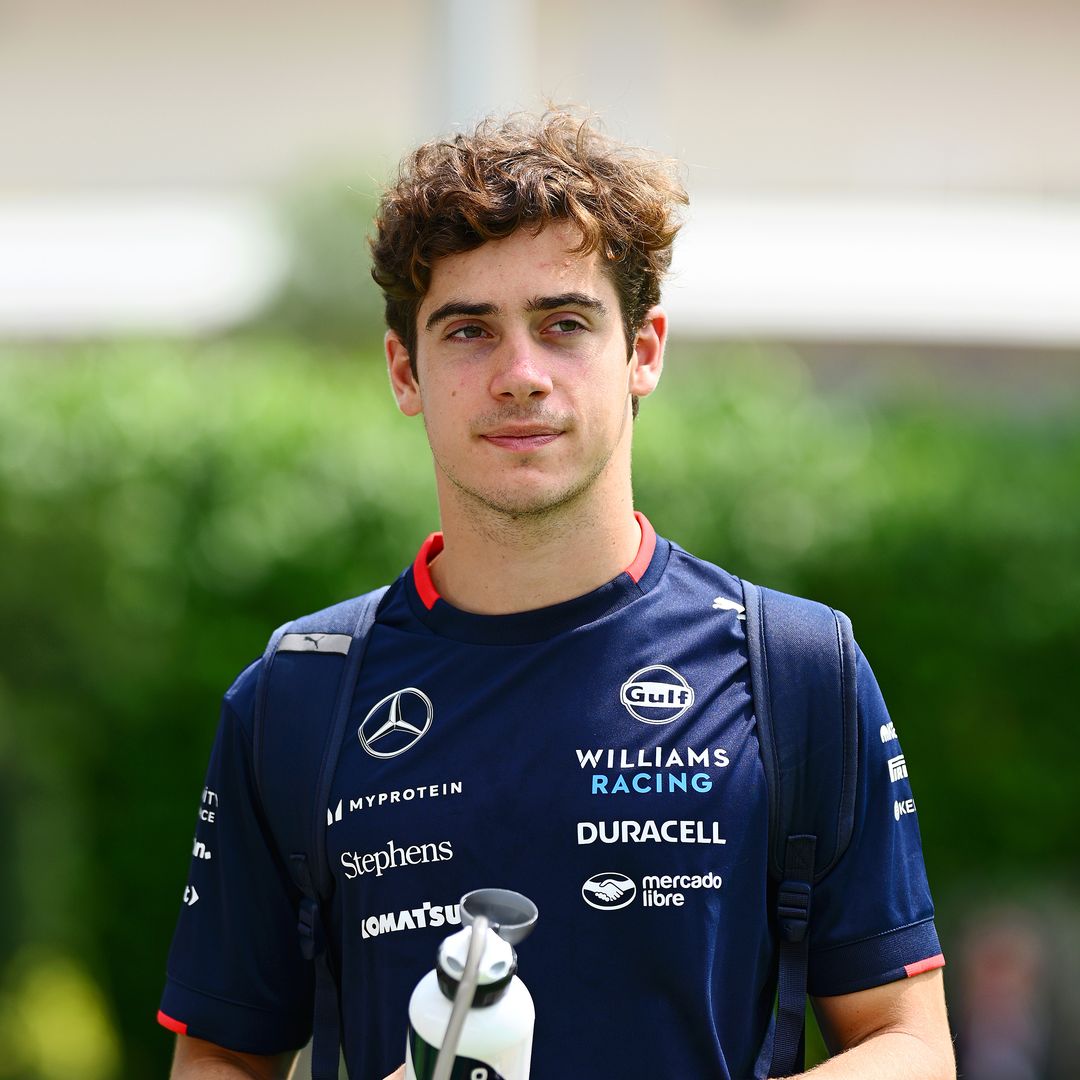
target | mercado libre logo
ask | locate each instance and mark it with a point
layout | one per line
(397, 723)
(608, 891)
(656, 694)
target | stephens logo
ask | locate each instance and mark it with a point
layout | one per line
(356, 864)
(608, 891)
(660, 691)
(397, 723)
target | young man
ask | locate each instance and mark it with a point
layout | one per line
(553, 699)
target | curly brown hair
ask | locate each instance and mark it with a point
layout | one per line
(451, 196)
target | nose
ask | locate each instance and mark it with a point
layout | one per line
(520, 374)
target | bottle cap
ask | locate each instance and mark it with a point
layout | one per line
(498, 962)
(511, 915)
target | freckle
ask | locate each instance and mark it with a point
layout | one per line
(453, 393)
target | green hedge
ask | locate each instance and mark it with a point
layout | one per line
(163, 506)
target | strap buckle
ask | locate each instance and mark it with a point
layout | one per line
(793, 909)
(309, 927)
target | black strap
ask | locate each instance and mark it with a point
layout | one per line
(326, 1041)
(290, 718)
(802, 671)
(793, 900)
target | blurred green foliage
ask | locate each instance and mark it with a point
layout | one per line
(164, 506)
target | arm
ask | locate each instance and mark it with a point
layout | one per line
(196, 1059)
(898, 1031)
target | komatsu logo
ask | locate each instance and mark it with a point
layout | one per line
(656, 694)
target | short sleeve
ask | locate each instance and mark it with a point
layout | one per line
(873, 917)
(235, 973)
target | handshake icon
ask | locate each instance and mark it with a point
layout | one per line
(608, 890)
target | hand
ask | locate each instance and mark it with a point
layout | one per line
(397, 1074)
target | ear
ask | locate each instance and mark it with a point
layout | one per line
(647, 358)
(402, 380)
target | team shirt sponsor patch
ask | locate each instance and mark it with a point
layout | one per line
(415, 918)
(611, 890)
(394, 856)
(655, 770)
(649, 832)
(657, 694)
(336, 812)
(397, 723)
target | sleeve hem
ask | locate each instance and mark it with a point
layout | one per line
(245, 1029)
(884, 958)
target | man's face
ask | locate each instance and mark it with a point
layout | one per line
(522, 374)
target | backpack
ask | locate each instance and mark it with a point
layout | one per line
(802, 674)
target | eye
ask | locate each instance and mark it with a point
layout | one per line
(566, 326)
(468, 332)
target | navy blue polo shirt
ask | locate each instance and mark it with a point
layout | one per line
(599, 756)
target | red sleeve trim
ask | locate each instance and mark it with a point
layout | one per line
(637, 568)
(173, 1025)
(425, 587)
(924, 965)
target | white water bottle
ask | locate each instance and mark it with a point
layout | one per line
(472, 1018)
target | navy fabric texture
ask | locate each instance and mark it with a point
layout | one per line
(599, 756)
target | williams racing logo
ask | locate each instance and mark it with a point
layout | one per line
(397, 723)
(656, 694)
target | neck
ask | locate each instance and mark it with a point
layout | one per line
(498, 564)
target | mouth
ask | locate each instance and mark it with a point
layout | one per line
(521, 438)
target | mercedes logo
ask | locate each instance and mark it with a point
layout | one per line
(397, 723)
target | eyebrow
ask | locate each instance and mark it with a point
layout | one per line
(569, 299)
(456, 309)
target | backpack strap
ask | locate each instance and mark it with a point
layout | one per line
(302, 704)
(802, 674)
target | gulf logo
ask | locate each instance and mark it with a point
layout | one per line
(656, 694)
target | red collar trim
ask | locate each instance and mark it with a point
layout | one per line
(425, 587)
(645, 550)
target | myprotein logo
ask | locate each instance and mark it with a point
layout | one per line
(608, 891)
(656, 694)
(335, 813)
(397, 723)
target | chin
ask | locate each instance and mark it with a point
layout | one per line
(520, 503)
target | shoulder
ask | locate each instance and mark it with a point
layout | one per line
(339, 618)
(314, 632)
